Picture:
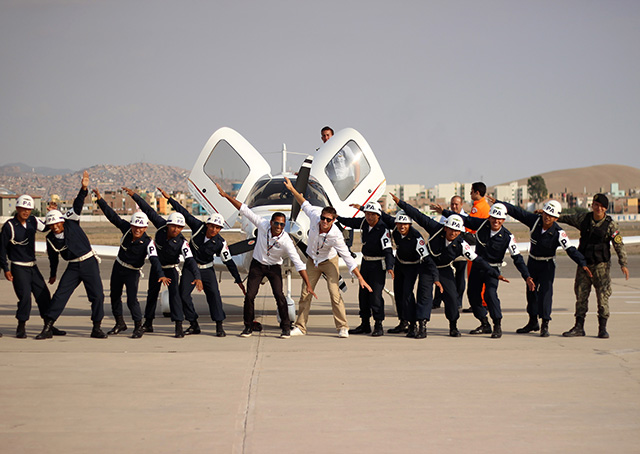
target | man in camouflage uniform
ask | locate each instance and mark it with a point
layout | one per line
(597, 232)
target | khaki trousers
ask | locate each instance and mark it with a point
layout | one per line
(331, 269)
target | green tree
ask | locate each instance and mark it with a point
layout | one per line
(537, 188)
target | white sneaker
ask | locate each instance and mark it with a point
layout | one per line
(344, 332)
(297, 332)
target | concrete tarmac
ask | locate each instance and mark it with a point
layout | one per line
(319, 393)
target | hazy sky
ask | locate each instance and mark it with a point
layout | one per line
(442, 90)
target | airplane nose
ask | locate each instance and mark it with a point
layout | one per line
(294, 229)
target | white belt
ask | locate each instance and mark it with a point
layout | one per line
(448, 265)
(371, 259)
(498, 265)
(88, 255)
(407, 263)
(166, 267)
(542, 259)
(126, 265)
(205, 266)
(24, 263)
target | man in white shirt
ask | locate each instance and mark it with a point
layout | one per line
(324, 245)
(272, 244)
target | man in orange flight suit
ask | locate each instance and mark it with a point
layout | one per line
(480, 209)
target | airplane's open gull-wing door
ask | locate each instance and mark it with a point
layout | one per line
(230, 160)
(348, 171)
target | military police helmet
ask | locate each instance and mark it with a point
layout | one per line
(372, 207)
(216, 219)
(53, 217)
(402, 218)
(498, 211)
(455, 222)
(139, 219)
(552, 208)
(176, 219)
(25, 201)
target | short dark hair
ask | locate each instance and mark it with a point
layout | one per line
(480, 187)
(330, 210)
(327, 128)
(278, 214)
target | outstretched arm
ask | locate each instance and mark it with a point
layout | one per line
(232, 200)
(157, 220)
(299, 198)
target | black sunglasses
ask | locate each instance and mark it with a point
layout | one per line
(326, 219)
(279, 224)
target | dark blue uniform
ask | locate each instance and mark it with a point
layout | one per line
(169, 252)
(128, 265)
(444, 255)
(491, 248)
(204, 250)
(377, 257)
(83, 267)
(542, 259)
(18, 244)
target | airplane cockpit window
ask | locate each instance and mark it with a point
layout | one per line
(271, 191)
(347, 169)
(226, 167)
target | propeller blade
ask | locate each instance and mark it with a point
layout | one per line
(242, 246)
(301, 185)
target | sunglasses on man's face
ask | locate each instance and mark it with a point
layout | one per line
(326, 219)
(278, 224)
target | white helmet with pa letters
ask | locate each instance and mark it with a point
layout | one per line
(216, 219)
(176, 219)
(139, 219)
(455, 222)
(402, 218)
(372, 207)
(25, 201)
(498, 211)
(552, 208)
(53, 217)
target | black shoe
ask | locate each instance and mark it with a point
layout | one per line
(194, 328)
(378, 330)
(46, 332)
(532, 325)
(120, 325)
(363, 328)
(96, 332)
(58, 332)
(286, 333)
(577, 330)
(484, 328)
(422, 329)
(468, 310)
(602, 328)
(256, 326)
(21, 330)
(147, 327)
(544, 331)
(453, 330)
(138, 331)
(247, 332)
(179, 334)
(219, 330)
(497, 330)
(403, 327)
(412, 330)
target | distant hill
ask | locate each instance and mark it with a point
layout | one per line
(141, 176)
(24, 168)
(593, 179)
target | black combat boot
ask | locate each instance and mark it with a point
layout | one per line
(219, 329)
(532, 325)
(577, 330)
(120, 325)
(58, 332)
(412, 330)
(147, 327)
(96, 332)
(21, 330)
(484, 328)
(453, 329)
(46, 332)
(363, 328)
(497, 329)
(602, 328)
(194, 328)
(544, 330)
(402, 327)
(179, 332)
(422, 329)
(138, 331)
(378, 330)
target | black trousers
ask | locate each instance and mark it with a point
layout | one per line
(211, 291)
(409, 306)
(460, 274)
(125, 277)
(540, 300)
(174, 295)
(88, 273)
(28, 280)
(450, 294)
(477, 278)
(372, 302)
(273, 273)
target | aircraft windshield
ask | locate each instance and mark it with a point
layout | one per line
(347, 169)
(272, 192)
